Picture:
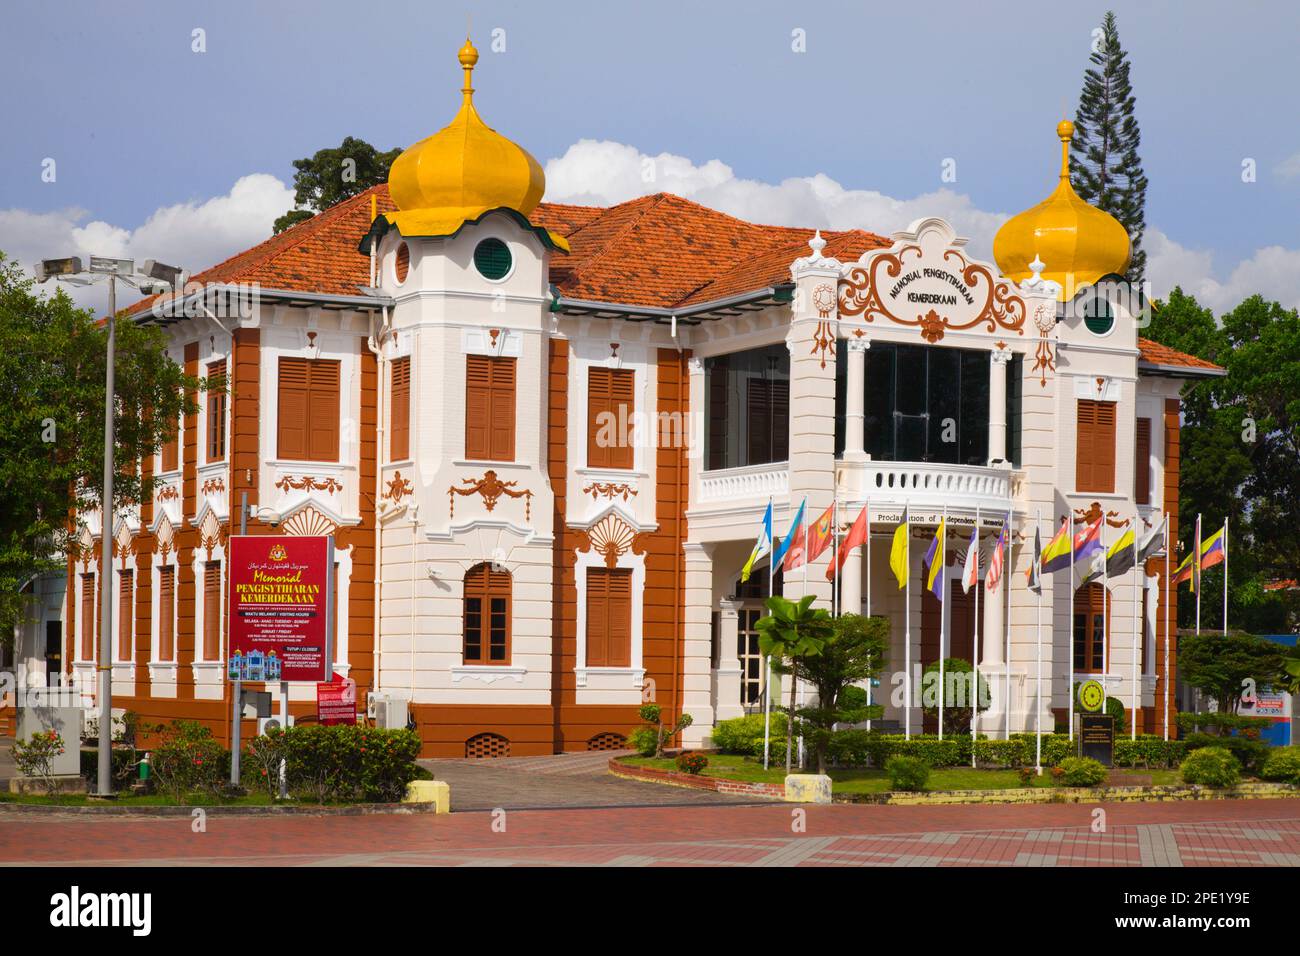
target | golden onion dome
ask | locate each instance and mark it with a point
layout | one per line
(1078, 243)
(460, 173)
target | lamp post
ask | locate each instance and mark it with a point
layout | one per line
(155, 275)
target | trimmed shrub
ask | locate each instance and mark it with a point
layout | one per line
(1211, 767)
(1082, 772)
(744, 735)
(1249, 752)
(125, 763)
(348, 762)
(644, 740)
(1149, 751)
(1001, 753)
(188, 760)
(1056, 747)
(1115, 708)
(692, 762)
(1283, 765)
(907, 773)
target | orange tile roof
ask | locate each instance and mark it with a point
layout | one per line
(659, 251)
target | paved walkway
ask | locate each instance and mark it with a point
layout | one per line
(1251, 833)
(563, 781)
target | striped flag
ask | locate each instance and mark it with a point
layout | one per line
(934, 559)
(994, 576)
(970, 572)
(762, 547)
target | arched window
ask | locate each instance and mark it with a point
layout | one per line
(487, 615)
(1090, 629)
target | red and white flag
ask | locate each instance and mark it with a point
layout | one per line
(970, 573)
(856, 538)
(995, 562)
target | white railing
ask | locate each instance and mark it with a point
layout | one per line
(927, 482)
(751, 481)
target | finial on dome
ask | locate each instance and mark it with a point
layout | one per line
(817, 244)
(1037, 267)
(468, 57)
(1065, 131)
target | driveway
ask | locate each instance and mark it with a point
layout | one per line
(560, 781)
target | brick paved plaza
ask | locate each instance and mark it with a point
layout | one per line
(1219, 833)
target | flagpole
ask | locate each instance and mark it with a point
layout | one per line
(1225, 575)
(975, 641)
(1105, 611)
(866, 508)
(1196, 573)
(807, 528)
(1137, 673)
(1069, 628)
(767, 684)
(1038, 694)
(907, 626)
(1165, 682)
(1006, 605)
(941, 558)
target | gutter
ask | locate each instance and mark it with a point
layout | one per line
(191, 301)
(1182, 371)
(777, 293)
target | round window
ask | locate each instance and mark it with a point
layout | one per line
(492, 259)
(402, 262)
(1097, 314)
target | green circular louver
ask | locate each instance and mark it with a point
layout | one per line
(492, 259)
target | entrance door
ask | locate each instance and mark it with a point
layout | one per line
(53, 652)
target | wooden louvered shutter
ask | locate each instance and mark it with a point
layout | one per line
(125, 614)
(597, 617)
(323, 410)
(171, 451)
(489, 408)
(610, 404)
(212, 610)
(609, 617)
(1095, 447)
(503, 409)
(292, 409)
(399, 447)
(217, 411)
(1142, 463)
(88, 606)
(166, 613)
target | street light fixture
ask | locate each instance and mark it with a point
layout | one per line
(70, 270)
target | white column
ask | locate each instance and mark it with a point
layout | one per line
(726, 683)
(697, 682)
(855, 399)
(851, 582)
(998, 404)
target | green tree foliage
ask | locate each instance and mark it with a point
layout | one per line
(960, 695)
(1104, 163)
(853, 652)
(333, 175)
(52, 365)
(1225, 666)
(1240, 454)
(792, 633)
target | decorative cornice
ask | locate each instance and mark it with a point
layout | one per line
(609, 490)
(309, 483)
(490, 488)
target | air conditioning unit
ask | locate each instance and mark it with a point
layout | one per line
(390, 713)
(263, 723)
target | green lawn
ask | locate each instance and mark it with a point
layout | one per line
(748, 769)
(138, 800)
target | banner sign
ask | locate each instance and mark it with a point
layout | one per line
(279, 607)
(336, 701)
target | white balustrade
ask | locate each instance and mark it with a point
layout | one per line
(728, 485)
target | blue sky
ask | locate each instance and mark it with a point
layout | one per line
(146, 132)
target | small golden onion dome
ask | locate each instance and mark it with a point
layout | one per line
(467, 168)
(1078, 242)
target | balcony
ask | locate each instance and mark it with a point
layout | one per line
(743, 486)
(925, 484)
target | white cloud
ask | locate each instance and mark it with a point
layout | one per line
(1273, 272)
(1289, 168)
(193, 235)
(602, 173)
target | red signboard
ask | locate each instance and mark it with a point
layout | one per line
(336, 702)
(279, 607)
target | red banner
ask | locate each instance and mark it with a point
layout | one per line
(336, 701)
(278, 607)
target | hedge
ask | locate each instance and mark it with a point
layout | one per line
(1149, 752)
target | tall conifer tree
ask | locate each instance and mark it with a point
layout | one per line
(1104, 161)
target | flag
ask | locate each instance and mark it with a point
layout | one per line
(821, 534)
(1035, 571)
(1213, 550)
(934, 561)
(1087, 540)
(899, 557)
(784, 544)
(1056, 556)
(798, 552)
(1089, 570)
(994, 577)
(856, 538)
(1152, 542)
(1120, 557)
(762, 547)
(970, 574)
(1184, 573)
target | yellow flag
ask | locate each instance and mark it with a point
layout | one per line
(898, 555)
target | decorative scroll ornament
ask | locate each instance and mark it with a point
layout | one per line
(212, 533)
(823, 341)
(611, 537)
(164, 539)
(609, 490)
(490, 488)
(926, 281)
(309, 483)
(168, 493)
(823, 300)
(1044, 359)
(397, 488)
(1090, 514)
(308, 521)
(213, 485)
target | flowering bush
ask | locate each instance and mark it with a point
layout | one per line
(260, 764)
(34, 757)
(347, 762)
(692, 762)
(188, 760)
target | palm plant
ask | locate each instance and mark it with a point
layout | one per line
(793, 631)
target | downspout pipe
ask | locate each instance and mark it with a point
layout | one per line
(375, 344)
